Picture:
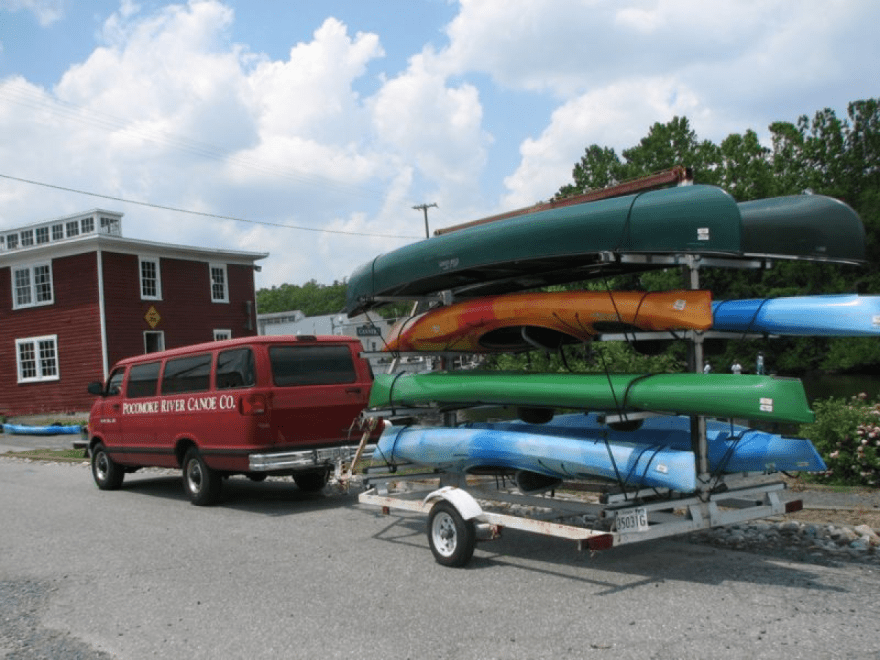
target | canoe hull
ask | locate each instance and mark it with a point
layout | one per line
(732, 448)
(718, 395)
(488, 450)
(24, 429)
(517, 322)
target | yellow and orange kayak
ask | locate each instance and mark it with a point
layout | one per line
(546, 320)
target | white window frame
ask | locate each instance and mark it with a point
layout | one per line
(160, 345)
(221, 334)
(224, 283)
(40, 362)
(32, 285)
(155, 262)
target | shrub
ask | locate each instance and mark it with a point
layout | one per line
(847, 435)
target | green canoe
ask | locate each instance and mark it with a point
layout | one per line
(581, 241)
(714, 395)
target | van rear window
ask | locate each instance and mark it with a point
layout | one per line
(235, 368)
(311, 365)
(187, 374)
(142, 380)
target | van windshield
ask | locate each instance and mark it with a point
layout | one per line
(311, 365)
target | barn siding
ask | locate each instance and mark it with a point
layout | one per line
(186, 312)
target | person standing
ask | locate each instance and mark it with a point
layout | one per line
(736, 367)
(759, 365)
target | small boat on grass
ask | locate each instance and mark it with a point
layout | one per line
(47, 429)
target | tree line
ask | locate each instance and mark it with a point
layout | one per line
(823, 154)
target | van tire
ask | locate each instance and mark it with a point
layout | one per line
(107, 473)
(201, 483)
(311, 482)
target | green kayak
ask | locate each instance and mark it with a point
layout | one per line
(714, 395)
(583, 241)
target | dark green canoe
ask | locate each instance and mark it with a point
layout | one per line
(581, 241)
(715, 395)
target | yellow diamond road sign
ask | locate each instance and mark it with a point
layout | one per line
(152, 317)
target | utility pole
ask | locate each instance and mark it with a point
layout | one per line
(424, 208)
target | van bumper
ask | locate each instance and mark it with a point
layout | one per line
(304, 459)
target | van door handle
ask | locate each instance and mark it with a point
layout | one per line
(353, 390)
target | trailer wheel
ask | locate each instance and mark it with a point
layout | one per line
(107, 473)
(201, 483)
(451, 537)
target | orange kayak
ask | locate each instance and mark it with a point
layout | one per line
(546, 320)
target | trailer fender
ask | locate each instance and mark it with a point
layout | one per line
(464, 503)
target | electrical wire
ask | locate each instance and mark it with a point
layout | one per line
(203, 214)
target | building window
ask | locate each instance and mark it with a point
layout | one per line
(37, 358)
(88, 225)
(151, 282)
(42, 235)
(154, 340)
(57, 232)
(220, 335)
(219, 289)
(110, 226)
(12, 241)
(32, 286)
(72, 228)
(27, 238)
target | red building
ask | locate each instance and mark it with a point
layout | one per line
(75, 297)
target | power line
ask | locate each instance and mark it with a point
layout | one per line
(200, 213)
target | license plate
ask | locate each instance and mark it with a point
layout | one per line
(633, 520)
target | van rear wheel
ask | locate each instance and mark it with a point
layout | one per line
(107, 473)
(201, 483)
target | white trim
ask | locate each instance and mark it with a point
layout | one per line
(102, 316)
(221, 334)
(157, 263)
(39, 378)
(222, 268)
(160, 334)
(31, 267)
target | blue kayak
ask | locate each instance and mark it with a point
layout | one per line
(840, 315)
(732, 448)
(496, 450)
(51, 429)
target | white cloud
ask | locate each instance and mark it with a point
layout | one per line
(45, 11)
(616, 116)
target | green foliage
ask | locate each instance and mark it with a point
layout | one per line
(611, 357)
(312, 299)
(847, 435)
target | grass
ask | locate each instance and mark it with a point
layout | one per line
(64, 455)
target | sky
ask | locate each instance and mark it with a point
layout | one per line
(310, 129)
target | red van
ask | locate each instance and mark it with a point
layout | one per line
(279, 405)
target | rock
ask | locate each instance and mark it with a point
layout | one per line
(866, 532)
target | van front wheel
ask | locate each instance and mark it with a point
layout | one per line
(201, 483)
(107, 473)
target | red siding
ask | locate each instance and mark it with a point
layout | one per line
(186, 316)
(74, 318)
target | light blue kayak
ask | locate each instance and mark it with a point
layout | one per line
(50, 429)
(491, 450)
(841, 315)
(732, 448)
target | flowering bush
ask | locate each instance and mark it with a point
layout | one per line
(847, 435)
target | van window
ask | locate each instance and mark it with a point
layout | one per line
(311, 365)
(114, 383)
(235, 368)
(187, 374)
(142, 380)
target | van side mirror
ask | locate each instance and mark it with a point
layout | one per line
(96, 388)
